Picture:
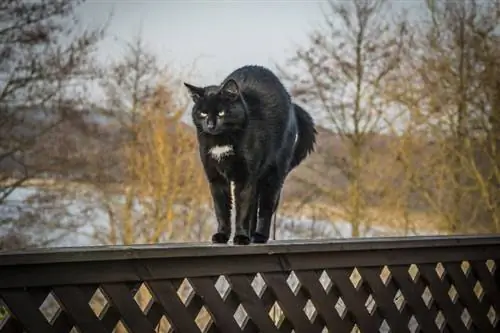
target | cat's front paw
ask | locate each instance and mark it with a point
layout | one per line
(241, 240)
(220, 238)
(259, 238)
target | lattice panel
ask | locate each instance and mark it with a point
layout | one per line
(442, 297)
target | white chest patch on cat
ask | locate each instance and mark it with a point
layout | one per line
(219, 152)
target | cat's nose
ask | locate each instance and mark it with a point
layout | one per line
(210, 125)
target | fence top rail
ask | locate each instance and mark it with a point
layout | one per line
(186, 250)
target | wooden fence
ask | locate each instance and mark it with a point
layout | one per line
(421, 284)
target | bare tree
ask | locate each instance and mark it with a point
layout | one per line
(484, 166)
(44, 64)
(162, 193)
(339, 74)
(446, 89)
(130, 81)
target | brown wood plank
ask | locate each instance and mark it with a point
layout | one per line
(131, 315)
(39, 294)
(248, 326)
(393, 290)
(176, 283)
(88, 291)
(154, 312)
(365, 292)
(221, 314)
(63, 322)
(267, 299)
(398, 322)
(477, 310)
(110, 317)
(21, 305)
(241, 285)
(232, 301)
(420, 287)
(324, 304)
(288, 302)
(439, 292)
(354, 303)
(444, 286)
(414, 299)
(133, 266)
(84, 266)
(75, 304)
(285, 325)
(491, 289)
(191, 250)
(179, 317)
(194, 303)
(11, 325)
(110, 314)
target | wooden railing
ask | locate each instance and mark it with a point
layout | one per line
(420, 284)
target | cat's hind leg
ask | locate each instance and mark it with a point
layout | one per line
(269, 192)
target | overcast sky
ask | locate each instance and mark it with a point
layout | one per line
(222, 35)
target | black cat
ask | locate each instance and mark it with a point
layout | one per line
(251, 134)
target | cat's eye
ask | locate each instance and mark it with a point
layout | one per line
(221, 113)
(203, 114)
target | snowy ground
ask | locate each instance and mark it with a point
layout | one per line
(95, 218)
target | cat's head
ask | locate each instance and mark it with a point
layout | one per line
(218, 109)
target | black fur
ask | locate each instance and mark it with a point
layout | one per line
(252, 112)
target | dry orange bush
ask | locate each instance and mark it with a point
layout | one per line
(166, 179)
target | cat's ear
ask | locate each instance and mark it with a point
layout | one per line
(195, 92)
(230, 90)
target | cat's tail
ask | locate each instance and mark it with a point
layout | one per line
(306, 136)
